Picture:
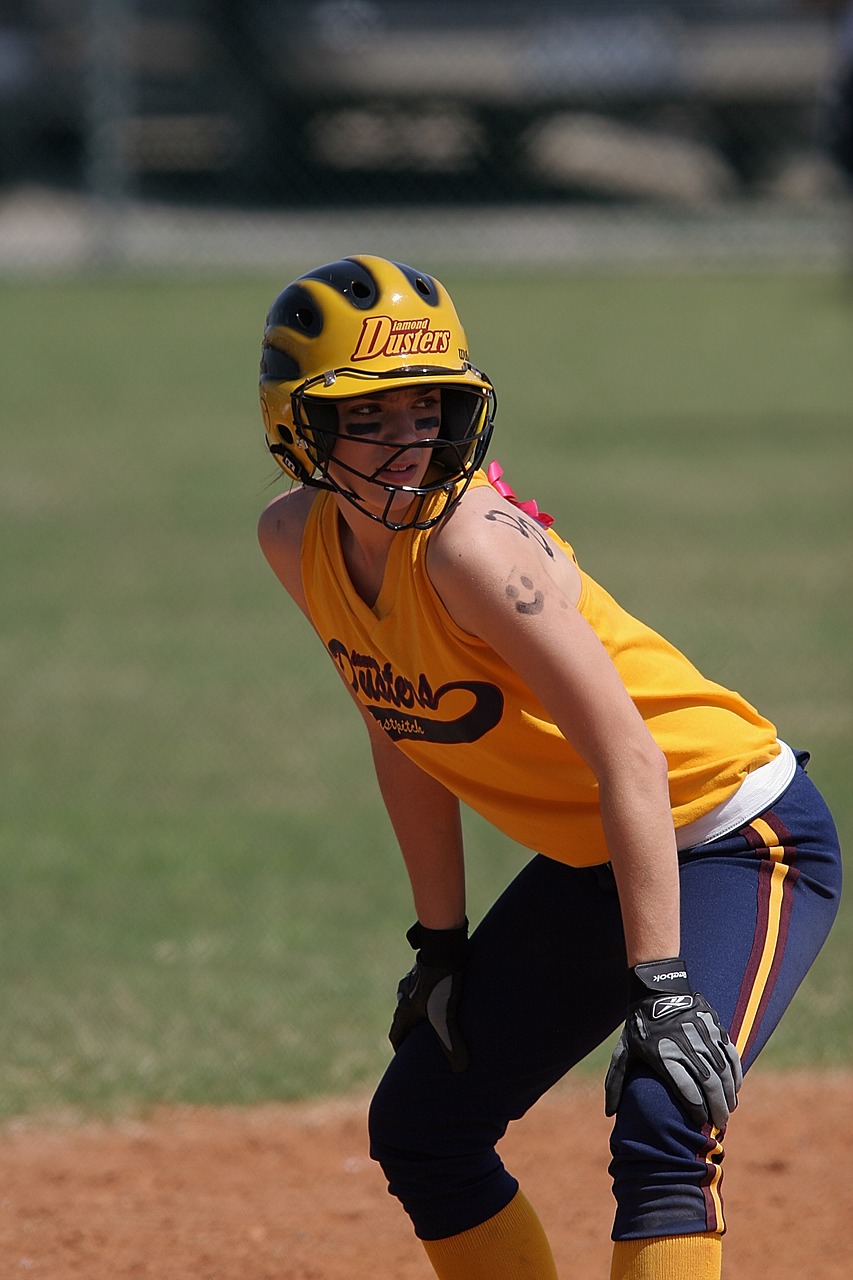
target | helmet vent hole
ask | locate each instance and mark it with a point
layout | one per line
(360, 289)
(305, 317)
(422, 286)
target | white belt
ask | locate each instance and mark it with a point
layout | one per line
(756, 793)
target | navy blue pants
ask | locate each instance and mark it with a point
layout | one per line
(546, 984)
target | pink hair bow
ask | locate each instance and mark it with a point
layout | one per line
(493, 475)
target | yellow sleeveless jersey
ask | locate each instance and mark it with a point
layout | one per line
(461, 713)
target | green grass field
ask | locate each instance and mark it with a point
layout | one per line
(201, 898)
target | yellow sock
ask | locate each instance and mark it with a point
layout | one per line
(695, 1257)
(510, 1246)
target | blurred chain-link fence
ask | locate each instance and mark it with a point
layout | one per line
(186, 130)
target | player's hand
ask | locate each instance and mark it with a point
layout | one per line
(432, 988)
(674, 1030)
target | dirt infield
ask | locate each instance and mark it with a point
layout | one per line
(287, 1192)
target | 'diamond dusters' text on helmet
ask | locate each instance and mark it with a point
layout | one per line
(356, 327)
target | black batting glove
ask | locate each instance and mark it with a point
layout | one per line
(674, 1030)
(431, 989)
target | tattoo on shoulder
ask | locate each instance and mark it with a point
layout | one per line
(535, 601)
(526, 528)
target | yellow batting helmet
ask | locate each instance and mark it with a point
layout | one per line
(356, 327)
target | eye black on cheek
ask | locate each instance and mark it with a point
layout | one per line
(361, 428)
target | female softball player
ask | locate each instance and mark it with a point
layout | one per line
(685, 871)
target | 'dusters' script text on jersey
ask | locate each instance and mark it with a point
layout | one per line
(464, 716)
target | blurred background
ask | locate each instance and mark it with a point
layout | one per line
(643, 213)
(211, 131)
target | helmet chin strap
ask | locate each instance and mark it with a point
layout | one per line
(330, 485)
(420, 497)
(302, 473)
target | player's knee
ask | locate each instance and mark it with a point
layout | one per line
(396, 1124)
(651, 1128)
(662, 1164)
(646, 1107)
(445, 1183)
(412, 1132)
(381, 1124)
(400, 1143)
(649, 1136)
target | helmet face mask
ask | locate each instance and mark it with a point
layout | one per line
(355, 329)
(455, 452)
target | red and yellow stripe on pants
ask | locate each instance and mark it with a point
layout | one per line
(772, 843)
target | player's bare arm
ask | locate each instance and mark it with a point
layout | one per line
(509, 587)
(426, 821)
(280, 529)
(424, 815)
